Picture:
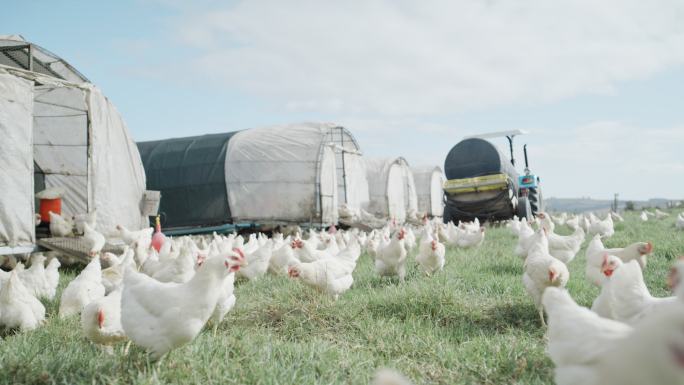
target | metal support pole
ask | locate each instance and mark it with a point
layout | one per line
(344, 168)
(510, 145)
(30, 57)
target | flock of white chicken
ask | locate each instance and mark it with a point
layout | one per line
(162, 291)
(628, 336)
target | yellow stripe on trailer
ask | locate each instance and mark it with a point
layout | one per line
(480, 183)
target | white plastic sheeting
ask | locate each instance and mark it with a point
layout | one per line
(16, 161)
(429, 182)
(80, 143)
(391, 187)
(282, 174)
(356, 182)
(352, 184)
(115, 172)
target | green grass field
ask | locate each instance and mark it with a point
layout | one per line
(470, 324)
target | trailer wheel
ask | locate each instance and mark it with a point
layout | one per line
(524, 209)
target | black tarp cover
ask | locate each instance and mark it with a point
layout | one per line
(190, 174)
(476, 157)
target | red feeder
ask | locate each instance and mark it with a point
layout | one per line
(47, 205)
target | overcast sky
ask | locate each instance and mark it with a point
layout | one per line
(598, 84)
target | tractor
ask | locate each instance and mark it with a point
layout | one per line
(482, 183)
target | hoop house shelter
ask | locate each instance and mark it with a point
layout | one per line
(59, 130)
(262, 176)
(392, 188)
(429, 189)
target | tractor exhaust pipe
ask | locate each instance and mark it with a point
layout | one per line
(510, 146)
(527, 166)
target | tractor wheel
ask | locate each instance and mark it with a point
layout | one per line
(524, 209)
(533, 197)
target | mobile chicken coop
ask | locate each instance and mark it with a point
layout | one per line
(482, 183)
(392, 188)
(265, 177)
(429, 190)
(59, 130)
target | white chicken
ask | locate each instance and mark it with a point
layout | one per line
(389, 377)
(616, 216)
(410, 240)
(525, 239)
(35, 280)
(81, 219)
(18, 308)
(643, 216)
(589, 350)
(632, 300)
(390, 259)
(573, 222)
(94, 240)
(469, 237)
(603, 228)
(85, 288)
(546, 222)
(595, 256)
(179, 270)
(101, 320)
(281, 259)
(161, 316)
(661, 214)
(565, 248)
(257, 262)
(330, 275)
(542, 271)
(113, 275)
(431, 253)
(59, 226)
(514, 225)
(132, 236)
(305, 251)
(52, 277)
(603, 304)
(679, 224)
(225, 302)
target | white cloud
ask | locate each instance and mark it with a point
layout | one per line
(410, 58)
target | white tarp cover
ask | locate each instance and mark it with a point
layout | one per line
(282, 174)
(410, 195)
(97, 165)
(351, 168)
(387, 188)
(357, 196)
(16, 161)
(116, 174)
(429, 181)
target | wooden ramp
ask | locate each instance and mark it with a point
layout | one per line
(76, 247)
